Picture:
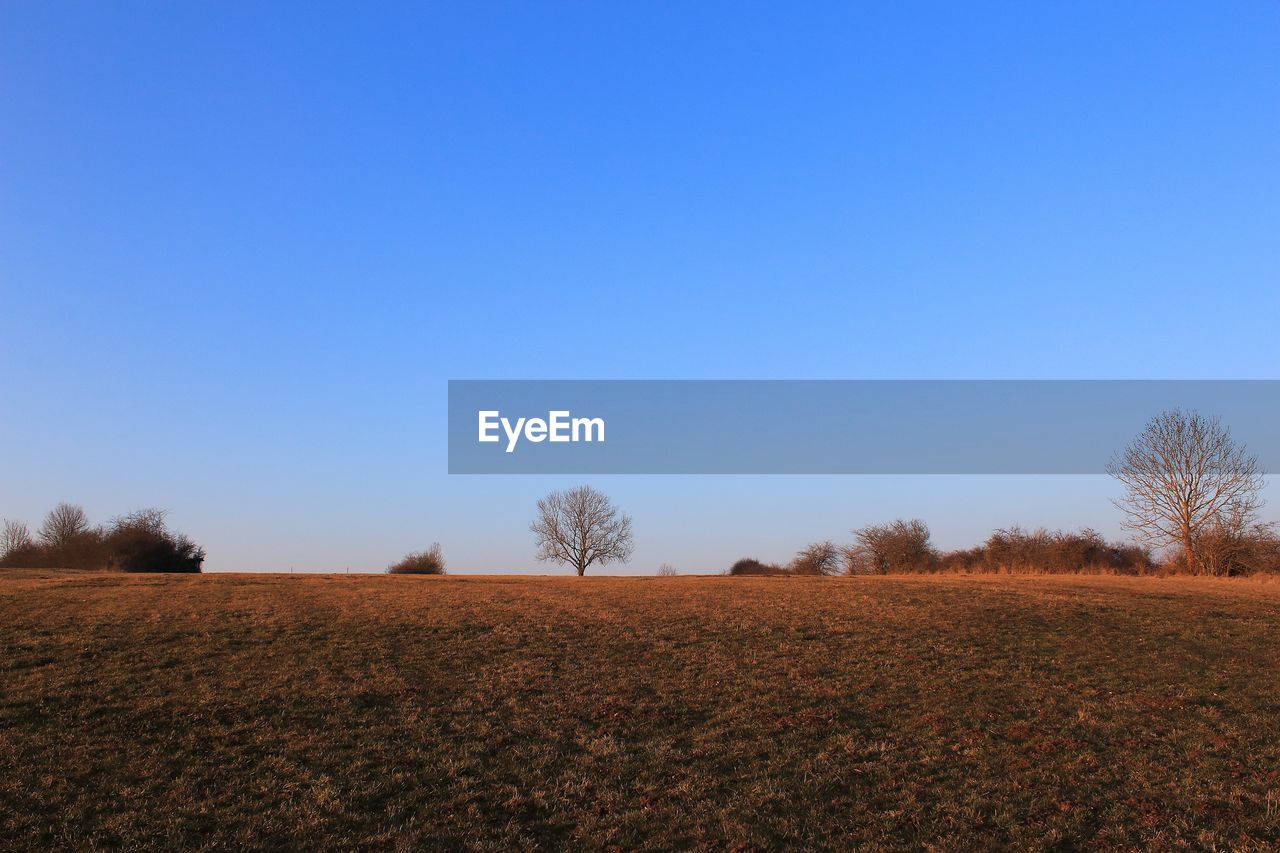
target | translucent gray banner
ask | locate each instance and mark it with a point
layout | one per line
(831, 427)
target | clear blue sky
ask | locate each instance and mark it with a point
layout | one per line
(244, 245)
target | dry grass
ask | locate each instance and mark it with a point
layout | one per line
(495, 713)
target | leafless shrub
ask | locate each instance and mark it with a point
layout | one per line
(967, 560)
(1225, 548)
(666, 570)
(1049, 552)
(65, 540)
(901, 546)
(580, 528)
(1188, 482)
(428, 562)
(135, 542)
(820, 558)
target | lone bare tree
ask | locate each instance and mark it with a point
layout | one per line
(580, 527)
(1185, 477)
(63, 523)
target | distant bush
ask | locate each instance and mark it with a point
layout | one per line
(752, 566)
(141, 542)
(901, 546)
(820, 558)
(965, 561)
(666, 570)
(428, 562)
(137, 542)
(1041, 551)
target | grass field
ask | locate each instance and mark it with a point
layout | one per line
(495, 713)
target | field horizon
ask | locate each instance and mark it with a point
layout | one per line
(542, 712)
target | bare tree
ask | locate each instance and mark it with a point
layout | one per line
(63, 523)
(666, 570)
(1185, 477)
(580, 527)
(14, 537)
(820, 558)
(902, 546)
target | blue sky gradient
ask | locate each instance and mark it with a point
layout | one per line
(243, 246)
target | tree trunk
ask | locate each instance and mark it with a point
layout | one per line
(1189, 551)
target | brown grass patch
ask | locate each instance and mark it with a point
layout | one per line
(489, 713)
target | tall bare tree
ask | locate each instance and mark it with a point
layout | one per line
(1185, 477)
(63, 523)
(581, 527)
